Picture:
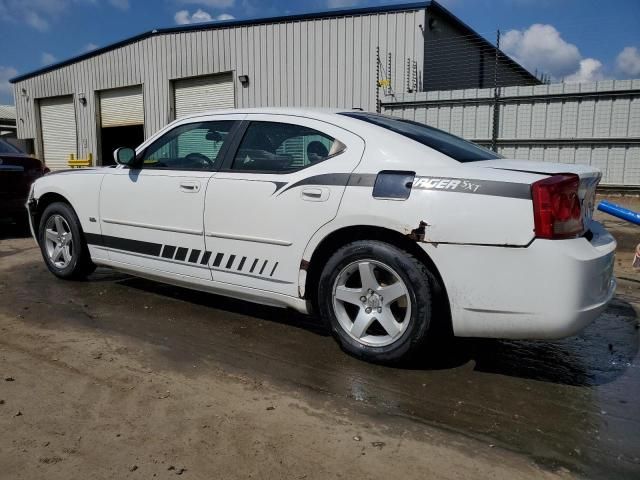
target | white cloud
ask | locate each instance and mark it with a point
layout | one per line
(541, 47)
(210, 3)
(39, 14)
(6, 89)
(47, 58)
(590, 71)
(121, 4)
(628, 61)
(35, 13)
(183, 17)
(341, 3)
(89, 47)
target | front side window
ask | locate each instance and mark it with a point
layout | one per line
(275, 147)
(452, 146)
(193, 146)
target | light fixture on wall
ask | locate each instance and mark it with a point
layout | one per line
(244, 80)
(82, 99)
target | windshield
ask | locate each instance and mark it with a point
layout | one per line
(6, 148)
(450, 145)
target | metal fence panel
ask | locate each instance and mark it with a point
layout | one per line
(594, 123)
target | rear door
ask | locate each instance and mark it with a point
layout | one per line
(152, 215)
(282, 182)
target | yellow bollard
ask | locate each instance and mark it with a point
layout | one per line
(80, 162)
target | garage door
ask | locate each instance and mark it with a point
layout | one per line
(121, 107)
(58, 120)
(197, 95)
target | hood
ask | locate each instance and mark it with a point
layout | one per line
(79, 170)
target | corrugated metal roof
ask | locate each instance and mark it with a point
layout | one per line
(228, 24)
(8, 112)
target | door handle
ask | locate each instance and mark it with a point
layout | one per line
(190, 187)
(315, 194)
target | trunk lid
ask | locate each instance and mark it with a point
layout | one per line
(589, 178)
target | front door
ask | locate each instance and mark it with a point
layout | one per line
(283, 182)
(152, 215)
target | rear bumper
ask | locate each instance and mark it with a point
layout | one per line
(551, 289)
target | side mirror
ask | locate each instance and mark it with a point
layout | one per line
(124, 156)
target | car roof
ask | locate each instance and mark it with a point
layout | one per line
(318, 113)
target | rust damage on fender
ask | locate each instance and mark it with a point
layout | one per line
(417, 234)
(304, 264)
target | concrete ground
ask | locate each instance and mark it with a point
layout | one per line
(119, 377)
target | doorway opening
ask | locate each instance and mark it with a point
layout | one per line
(115, 137)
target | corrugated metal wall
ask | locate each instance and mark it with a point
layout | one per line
(592, 123)
(328, 62)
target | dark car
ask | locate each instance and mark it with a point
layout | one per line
(17, 171)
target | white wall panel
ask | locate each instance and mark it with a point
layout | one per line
(591, 123)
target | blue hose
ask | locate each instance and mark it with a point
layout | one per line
(620, 212)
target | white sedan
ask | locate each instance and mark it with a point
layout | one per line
(386, 228)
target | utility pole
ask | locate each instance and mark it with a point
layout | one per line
(378, 108)
(496, 96)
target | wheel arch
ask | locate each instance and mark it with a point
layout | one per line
(44, 201)
(342, 236)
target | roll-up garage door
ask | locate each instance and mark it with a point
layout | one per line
(121, 107)
(197, 95)
(58, 120)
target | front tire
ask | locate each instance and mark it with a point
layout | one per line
(377, 299)
(62, 243)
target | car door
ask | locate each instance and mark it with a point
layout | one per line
(151, 215)
(279, 185)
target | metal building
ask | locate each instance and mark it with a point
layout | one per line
(120, 94)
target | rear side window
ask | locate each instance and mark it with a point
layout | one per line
(275, 147)
(450, 145)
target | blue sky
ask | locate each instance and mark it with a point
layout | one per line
(574, 40)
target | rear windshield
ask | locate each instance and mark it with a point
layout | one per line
(7, 148)
(450, 145)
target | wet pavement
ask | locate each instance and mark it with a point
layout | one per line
(572, 404)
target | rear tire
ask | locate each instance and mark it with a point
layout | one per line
(62, 243)
(351, 296)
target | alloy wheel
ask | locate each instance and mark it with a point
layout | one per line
(371, 303)
(59, 241)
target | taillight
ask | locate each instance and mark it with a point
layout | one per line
(556, 207)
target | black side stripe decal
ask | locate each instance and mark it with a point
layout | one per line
(445, 184)
(339, 179)
(205, 258)
(473, 186)
(218, 259)
(173, 253)
(181, 254)
(136, 246)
